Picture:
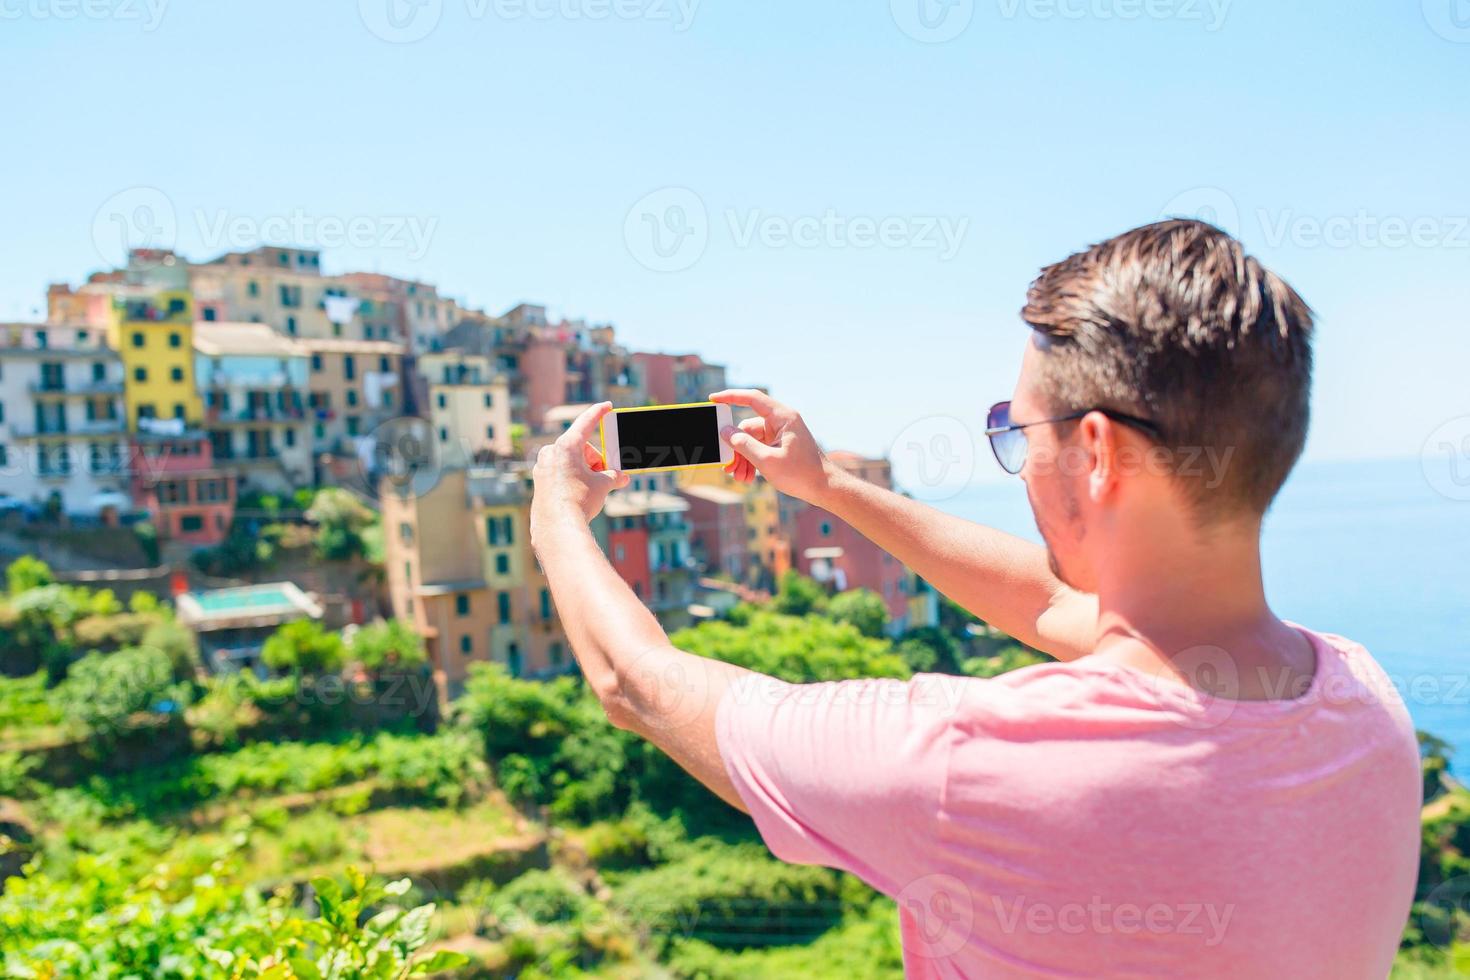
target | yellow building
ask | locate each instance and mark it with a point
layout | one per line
(153, 332)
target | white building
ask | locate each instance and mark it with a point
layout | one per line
(468, 407)
(254, 384)
(62, 429)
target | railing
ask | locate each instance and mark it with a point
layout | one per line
(75, 388)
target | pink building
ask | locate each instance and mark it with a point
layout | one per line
(174, 479)
(834, 553)
(717, 529)
(544, 366)
(657, 373)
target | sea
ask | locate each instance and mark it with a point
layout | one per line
(1377, 551)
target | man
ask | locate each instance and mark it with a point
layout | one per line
(1196, 789)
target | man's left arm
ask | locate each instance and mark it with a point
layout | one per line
(644, 684)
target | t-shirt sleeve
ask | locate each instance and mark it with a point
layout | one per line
(846, 774)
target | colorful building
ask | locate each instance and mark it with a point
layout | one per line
(174, 477)
(663, 574)
(254, 382)
(62, 433)
(717, 529)
(353, 386)
(468, 406)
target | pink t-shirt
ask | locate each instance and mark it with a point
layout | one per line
(1085, 819)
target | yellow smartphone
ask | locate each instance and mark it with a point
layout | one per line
(666, 437)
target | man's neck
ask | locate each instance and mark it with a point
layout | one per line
(1197, 614)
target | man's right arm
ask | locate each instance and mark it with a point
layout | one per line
(1004, 580)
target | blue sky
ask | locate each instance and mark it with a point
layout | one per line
(863, 192)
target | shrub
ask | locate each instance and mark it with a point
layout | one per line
(863, 608)
(797, 595)
(388, 645)
(103, 692)
(303, 647)
(27, 572)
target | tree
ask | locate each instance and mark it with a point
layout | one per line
(303, 647)
(863, 608)
(798, 595)
(931, 648)
(793, 648)
(388, 645)
(104, 691)
(340, 519)
(27, 572)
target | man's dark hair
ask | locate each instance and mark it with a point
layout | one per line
(1175, 323)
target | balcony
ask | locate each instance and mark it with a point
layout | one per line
(255, 416)
(81, 389)
(143, 312)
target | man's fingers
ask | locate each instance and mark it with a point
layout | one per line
(581, 430)
(746, 445)
(763, 404)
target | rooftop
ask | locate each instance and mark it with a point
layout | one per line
(635, 503)
(341, 345)
(259, 339)
(714, 494)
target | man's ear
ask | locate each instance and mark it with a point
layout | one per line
(1098, 434)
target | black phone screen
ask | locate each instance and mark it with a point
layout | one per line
(667, 437)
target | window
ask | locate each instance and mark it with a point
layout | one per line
(443, 400)
(99, 371)
(175, 340)
(513, 659)
(171, 492)
(618, 554)
(351, 397)
(209, 314)
(466, 645)
(140, 374)
(253, 288)
(349, 367)
(291, 325)
(176, 374)
(502, 564)
(178, 410)
(319, 431)
(405, 532)
(502, 607)
(492, 530)
(506, 528)
(545, 604)
(191, 524)
(489, 401)
(408, 571)
(489, 432)
(558, 654)
(351, 425)
(138, 339)
(826, 529)
(290, 438)
(316, 363)
(443, 434)
(383, 365)
(462, 605)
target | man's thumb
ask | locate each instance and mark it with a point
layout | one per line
(747, 445)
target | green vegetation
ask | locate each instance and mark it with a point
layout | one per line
(296, 826)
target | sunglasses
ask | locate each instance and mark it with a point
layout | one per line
(1008, 439)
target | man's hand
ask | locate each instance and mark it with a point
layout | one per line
(571, 477)
(777, 443)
